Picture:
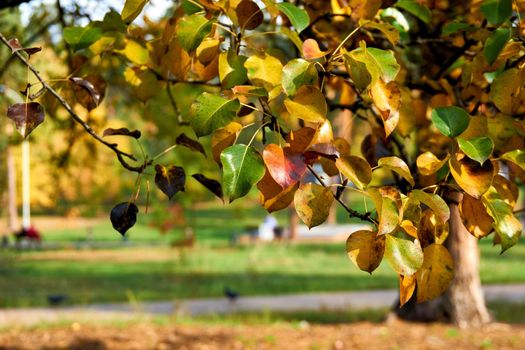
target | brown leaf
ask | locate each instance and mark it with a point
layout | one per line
(190, 143)
(300, 139)
(27, 116)
(213, 185)
(16, 46)
(89, 90)
(249, 14)
(170, 180)
(121, 132)
(123, 216)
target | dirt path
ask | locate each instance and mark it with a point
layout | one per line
(293, 302)
(356, 336)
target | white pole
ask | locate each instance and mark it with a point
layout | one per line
(26, 194)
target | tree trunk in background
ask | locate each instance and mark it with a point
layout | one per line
(463, 304)
(11, 190)
(293, 224)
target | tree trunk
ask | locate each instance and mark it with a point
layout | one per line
(463, 304)
(11, 190)
(464, 299)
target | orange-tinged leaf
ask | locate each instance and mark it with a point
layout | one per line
(356, 169)
(365, 249)
(436, 273)
(286, 166)
(273, 196)
(475, 217)
(311, 50)
(407, 286)
(473, 178)
(312, 203)
(222, 138)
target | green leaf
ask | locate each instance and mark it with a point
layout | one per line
(189, 7)
(495, 43)
(243, 167)
(81, 37)
(450, 121)
(477, 148)
(507, 226)
(379, 64)
(454, 27)
(132, 8)
(496, 11)
(420, 11)
(404, 254)
(299, 17)
(296, 73)
(191, 30)
(210, 112)
(517, 157)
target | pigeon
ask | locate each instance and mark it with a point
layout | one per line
(231, 294)
(56, 299)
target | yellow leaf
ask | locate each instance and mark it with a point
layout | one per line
(397, 165)
(264, 70)
(506, 91)
(427, 163)
(365, 249)
(475, 217)
(308, 104)
(436, 273)
(407, 286)
(222, 138)
(473, 178)
(356, 169)
(312, 203)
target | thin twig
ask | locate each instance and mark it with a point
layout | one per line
(121, 155)
(350, 211)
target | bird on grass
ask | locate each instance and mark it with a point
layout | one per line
(56, 299)
(231, 294)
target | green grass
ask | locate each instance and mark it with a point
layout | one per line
(204, 272)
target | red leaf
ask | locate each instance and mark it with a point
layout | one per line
(286, 166)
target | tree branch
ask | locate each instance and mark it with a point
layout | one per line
(11, 3)
(121, 155)
(350, 211)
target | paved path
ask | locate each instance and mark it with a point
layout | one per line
(292, 302)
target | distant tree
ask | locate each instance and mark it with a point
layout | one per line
(433, 117)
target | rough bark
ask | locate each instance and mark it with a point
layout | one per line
(464, 300)
(463, 304)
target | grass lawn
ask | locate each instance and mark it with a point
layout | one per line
(161, 273)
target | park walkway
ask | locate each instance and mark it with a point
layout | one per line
(362, 300)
